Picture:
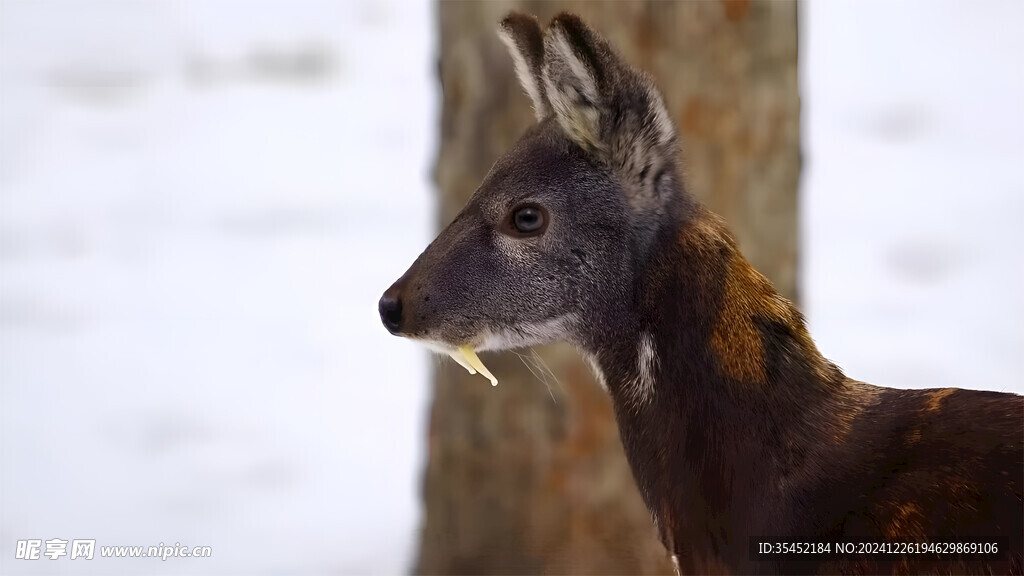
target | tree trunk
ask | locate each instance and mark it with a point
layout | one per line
(522, 479)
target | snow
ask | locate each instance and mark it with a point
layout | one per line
(191, 263)
(913, 191)
(201, 202)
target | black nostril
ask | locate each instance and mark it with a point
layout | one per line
(390, 312)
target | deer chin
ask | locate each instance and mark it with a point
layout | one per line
(518, 336)
(464, 355)
(499, 338)
(528, 334)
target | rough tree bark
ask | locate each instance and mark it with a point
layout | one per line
(523, 481)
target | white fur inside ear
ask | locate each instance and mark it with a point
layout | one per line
(572, 90)
(660, 120)
(529, 81)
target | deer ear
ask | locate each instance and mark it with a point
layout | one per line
(573, 77)
(611, 109)
(525, 41)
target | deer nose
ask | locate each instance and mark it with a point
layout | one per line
(390, 307)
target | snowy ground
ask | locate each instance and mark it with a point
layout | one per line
(193, 243)
(913, 191)
(201, 202)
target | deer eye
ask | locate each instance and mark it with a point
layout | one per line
(528, 221)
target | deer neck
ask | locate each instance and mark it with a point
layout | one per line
(719, 392)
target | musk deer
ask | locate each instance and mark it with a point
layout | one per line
(737, 430)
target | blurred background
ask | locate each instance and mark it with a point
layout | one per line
(200, 203)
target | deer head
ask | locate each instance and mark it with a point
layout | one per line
(553, 243)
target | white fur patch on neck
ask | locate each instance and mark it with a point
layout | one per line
(595, 368)
(640, 389)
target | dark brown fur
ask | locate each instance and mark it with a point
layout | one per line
(753, 434)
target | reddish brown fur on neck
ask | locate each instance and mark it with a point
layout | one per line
(747, 297)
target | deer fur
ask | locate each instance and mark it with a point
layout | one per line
(735, 426)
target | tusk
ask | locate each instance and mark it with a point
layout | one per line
(461, 361)
(474, 361)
